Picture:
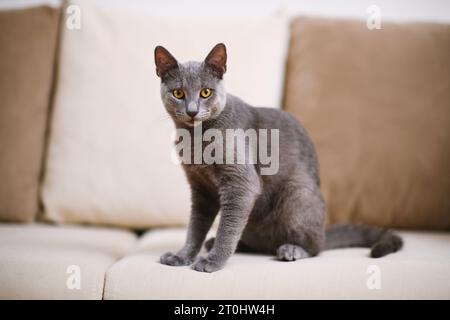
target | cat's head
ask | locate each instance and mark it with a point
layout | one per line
(192, 91)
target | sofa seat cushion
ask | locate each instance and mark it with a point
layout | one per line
(420, 270)
(41, 261)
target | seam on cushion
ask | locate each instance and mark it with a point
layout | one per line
(106, 273)
(104, 283)
(117, 258)
(50, 108)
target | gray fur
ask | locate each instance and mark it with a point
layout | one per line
(281, 214)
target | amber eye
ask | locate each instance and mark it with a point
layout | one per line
(177, 93)
(205, 93)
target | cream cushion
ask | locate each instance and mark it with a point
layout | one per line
(109, 159)
(420, 271)
(34, 260)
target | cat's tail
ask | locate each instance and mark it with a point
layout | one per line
(381, 241)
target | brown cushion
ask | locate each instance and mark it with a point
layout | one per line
(27, 52)
(377, 105)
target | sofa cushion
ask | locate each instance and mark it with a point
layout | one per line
(110, 147)
(40, 261)
(377, 105)
(27, 51)
(419, 271)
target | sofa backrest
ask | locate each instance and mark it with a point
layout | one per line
(377, 105)
(28, 43)
(109, 159)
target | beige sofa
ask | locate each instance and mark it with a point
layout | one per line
(85, 154)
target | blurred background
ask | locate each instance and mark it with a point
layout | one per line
(399, 10)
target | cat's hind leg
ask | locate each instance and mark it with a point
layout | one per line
(299, 230)
(209, 244)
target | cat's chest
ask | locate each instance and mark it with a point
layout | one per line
(202, 174)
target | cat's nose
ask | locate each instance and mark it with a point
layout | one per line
(192, 110)
(191, 113)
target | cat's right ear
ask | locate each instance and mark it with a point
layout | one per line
(164, 61)
(217, 60)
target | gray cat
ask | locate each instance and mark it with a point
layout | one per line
(281, 214)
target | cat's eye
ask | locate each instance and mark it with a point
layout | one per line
(205, 93)
(177, 93)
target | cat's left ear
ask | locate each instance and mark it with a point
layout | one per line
(217, 60)
(164, 61)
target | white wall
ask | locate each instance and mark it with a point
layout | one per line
(397, 10)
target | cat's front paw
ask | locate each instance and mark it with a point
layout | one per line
(175, 260)
(206, 265)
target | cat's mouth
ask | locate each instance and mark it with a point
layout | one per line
(191, 121)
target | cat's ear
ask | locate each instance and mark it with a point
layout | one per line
(164, 61)
(217, 60)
